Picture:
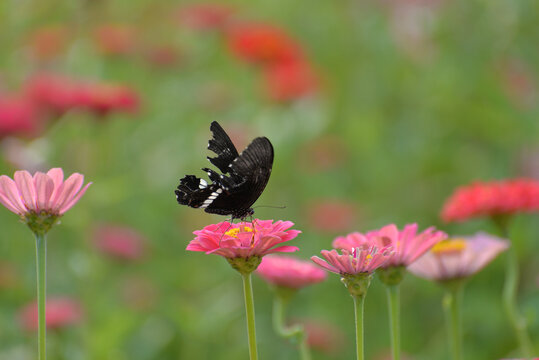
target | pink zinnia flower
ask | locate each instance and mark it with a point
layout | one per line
(407, 244)
(257, 238)
(46, 195)
(120, 242)
(363, 259)
(289, 272)
(492, 199)
(61, 312)
(458, 258)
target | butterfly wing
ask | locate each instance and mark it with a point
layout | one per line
(196, 192)
(223, 147)
(250, 173)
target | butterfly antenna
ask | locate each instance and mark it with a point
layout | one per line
(270, 206)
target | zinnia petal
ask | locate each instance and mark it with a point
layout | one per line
(12, 193)
(25, 184)
(44, 189)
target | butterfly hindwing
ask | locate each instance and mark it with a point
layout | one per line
(196, 192)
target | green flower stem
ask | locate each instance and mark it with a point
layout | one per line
(510, 289)
(393, 299)
(359, 305)
(250, 312)
(518, 322)
(41, 265)
(296, 332)
(452, 304)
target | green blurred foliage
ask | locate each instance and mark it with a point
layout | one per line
(416, 113)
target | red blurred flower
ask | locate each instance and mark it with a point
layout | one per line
(289, 80)
(163, 55)
(53, 92)
(102, 98)
(262, 44)
(289, 272)
(205, 16)
(116, 39)
(119, 242)
(59, 94)
(48, 41)
(332, 215)
(492, 198)
(60, 312)
(18, 116)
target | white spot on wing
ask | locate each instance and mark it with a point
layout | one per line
(202, 184)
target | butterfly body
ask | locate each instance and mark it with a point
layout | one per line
(241, 182)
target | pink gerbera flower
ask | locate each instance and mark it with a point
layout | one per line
(289, 272)
(458, 258)
(42, 197)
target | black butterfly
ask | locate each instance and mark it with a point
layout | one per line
(243, 177)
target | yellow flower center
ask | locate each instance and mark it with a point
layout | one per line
(449, 246)
(234, 232)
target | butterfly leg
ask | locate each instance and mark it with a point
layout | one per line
(230, 223)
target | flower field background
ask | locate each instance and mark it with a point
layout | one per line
(377, 111)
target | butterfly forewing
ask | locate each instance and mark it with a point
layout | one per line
(223, 147)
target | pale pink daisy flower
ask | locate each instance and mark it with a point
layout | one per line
(245, 239)
(42, 198)
(407, 244)
(458, 258)
(364, 259)
(289, 272)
